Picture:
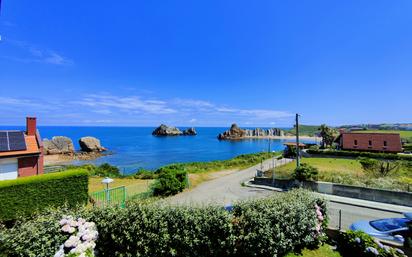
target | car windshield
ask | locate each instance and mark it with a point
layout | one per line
(389, 224)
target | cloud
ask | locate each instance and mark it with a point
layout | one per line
(256, 113)
(194, 103)
(130, 104)
(28, 53)
(105, 108)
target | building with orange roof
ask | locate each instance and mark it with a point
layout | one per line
(21, 152)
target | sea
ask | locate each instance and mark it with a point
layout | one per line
(133, 148)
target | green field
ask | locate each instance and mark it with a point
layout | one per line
(349, 172)
(305, 130)
(133, 186)
(404, 133)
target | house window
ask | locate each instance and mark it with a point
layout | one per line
(385, 143)
(370, 142)
(355, 142)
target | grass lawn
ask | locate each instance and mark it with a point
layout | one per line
(326, 167)
(133, 186)
(349, 172)
(323, 251)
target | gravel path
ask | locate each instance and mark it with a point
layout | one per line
(226, 189)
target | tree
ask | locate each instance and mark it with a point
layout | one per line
(327, 134)
(379, 168)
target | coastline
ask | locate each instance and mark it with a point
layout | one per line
(67, 159)
(278, 137)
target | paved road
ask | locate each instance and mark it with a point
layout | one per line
(352, 213)
(228, 189)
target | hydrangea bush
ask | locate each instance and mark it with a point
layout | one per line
(81, 241)
(360, 244)
(267, 227)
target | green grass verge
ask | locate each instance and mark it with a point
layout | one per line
(349, 172)
(239, 162)
(323, 251)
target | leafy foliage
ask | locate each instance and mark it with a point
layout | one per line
(38, 236)
(145, 174)
(360, 244)
(327, 134)
(25, 196)
(305, 172)
(266, 227)
(170, 182)
(379, 168)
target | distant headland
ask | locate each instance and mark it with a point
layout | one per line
(237, 133)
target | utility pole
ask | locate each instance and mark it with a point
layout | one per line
(297, 142)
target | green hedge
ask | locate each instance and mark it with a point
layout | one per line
(388, 156)
(266, 227)
(24, 196)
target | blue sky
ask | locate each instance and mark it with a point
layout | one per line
(205, 63)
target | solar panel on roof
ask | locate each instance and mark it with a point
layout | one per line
(16, 141)
(4, 143)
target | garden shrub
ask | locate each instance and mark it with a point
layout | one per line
(305, 172)
(37, 236)
(170, 182)
(103, 170)
(145, 174)
(277, 225)
(360, 244)
(266, 227)
(24, 196)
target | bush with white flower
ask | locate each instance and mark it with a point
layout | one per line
(360, 244)
(81, 242)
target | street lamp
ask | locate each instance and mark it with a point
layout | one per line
(107, 181)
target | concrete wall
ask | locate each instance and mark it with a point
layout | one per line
(370, 194)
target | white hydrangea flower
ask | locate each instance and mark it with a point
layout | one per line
(73, 241)
(82, 241)
(60, 253)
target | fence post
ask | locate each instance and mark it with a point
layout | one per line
(340, 219)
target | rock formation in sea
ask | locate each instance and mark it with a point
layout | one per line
(190, 132)
(58, 145)
(164, 130)
(90, 144)
(235, 133)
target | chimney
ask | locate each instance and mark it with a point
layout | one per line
(31, 128)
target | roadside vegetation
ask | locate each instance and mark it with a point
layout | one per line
(393, 175)
(170, 179)
(273, 226)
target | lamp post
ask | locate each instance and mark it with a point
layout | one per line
(297, 141)
(107, 181)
